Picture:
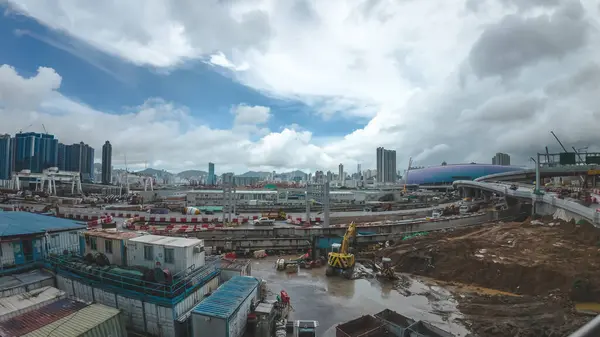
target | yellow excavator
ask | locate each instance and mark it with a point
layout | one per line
(340, 260)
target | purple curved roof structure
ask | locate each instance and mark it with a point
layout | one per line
(447, 174)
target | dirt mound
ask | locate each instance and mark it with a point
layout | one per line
(551, 263)
(501, 316)
(524, 259)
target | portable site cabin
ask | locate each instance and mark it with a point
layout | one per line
(29, 237)
(173, 253)
(111, 243)
(225, 312)
(231, 268)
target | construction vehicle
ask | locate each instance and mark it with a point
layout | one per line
(340, 260)
(274, 215)
(387, 270)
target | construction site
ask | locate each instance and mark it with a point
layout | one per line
(533, 278)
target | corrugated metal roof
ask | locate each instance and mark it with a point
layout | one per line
(25, 223)
(77, 323)
(36, 319)
(170, 241)
(112, 234)
(234, 265)
(22, 301)
(19, 280)
(64, 318)
(228, 298)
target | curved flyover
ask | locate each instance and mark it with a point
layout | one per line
(545, 172)
(592, 215)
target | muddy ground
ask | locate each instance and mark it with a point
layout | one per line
(543, 266)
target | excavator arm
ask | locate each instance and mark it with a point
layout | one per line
(349, 235)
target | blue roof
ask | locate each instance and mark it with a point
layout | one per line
(25, 223)
(224, 302)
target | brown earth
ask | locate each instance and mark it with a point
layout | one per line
(550, 265)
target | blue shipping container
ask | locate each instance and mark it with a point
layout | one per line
(225, 312)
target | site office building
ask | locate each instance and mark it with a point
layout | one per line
(28, 238)
(150, 314)
(173, 253)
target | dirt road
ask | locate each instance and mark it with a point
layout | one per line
(547, 265)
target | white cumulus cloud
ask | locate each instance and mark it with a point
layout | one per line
(453, 80)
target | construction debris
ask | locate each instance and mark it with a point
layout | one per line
(537, 270)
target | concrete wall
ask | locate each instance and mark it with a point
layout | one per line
(302, 241)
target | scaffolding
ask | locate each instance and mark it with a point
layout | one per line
(318, 193)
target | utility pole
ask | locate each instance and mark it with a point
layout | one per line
(537, 174)
(229, 197)
(318, 192)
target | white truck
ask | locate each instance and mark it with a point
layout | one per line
(264, 221)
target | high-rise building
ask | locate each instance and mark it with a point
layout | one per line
(35, 151)
(78, 158)
(341, 175)
(6, 157)
(62, 157)
(501, 159)
(106, 163)
(212, 179)
(386, 166)
(380, 164)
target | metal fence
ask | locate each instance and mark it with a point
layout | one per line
(125, 280)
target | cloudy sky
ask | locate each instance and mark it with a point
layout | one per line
(303, 84)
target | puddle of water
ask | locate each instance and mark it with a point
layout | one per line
(334, 300)
(467, 288)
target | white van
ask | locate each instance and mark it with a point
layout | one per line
(464, 209)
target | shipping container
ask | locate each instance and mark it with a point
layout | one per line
(178, 255)
(57, 318)
(110, 243)
(19, 304)
(395, 322)
(424, 329)
(233, 268)
(365, 326)
(225, 312)
(140, 315)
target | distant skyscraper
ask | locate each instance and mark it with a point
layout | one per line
(35, 151)
(107, 163)
(386, 166)
(341, 175)
(6, 156)
(501, 159)
(212, 179)
(78, 158)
